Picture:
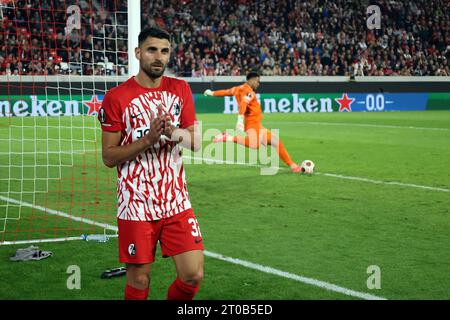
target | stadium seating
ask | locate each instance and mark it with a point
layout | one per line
(33, 39)
(305, 37)
(310, 38)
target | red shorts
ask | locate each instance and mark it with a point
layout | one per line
(177, 234)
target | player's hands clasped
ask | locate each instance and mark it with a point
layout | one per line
(170, 128)
(157, 126)
(161, 125)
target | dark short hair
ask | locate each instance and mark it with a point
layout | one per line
(153, 32)
(252, 75)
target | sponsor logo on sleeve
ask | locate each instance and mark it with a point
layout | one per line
(102, 116)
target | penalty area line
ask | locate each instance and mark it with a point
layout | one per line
(344, 124)
(393, 183)
(4, 243)
(311, 281)
(59, 213)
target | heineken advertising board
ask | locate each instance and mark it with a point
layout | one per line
(75, 105)
(331, 102)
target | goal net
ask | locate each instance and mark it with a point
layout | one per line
(57, 59)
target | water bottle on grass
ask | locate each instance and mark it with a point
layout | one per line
(95, 237)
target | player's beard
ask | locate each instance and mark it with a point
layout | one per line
(151, 72)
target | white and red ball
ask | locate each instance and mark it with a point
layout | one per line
(308, 167)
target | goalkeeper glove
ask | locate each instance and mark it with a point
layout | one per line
(240, 123)
(208, 93)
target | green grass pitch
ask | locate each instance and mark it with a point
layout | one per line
(366, 205)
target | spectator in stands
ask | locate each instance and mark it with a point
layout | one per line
(286, 37)
(326, 35)
(33, 39)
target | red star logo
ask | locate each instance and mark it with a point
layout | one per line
(345, 103)
(94, 105)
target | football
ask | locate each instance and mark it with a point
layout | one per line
(308, 167)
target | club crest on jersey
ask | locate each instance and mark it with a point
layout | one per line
(177, 108)
(132, 249)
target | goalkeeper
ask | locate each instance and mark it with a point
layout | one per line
(249, 120)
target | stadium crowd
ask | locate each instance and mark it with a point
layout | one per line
(286, 37)
(34, 39)
(306, 38)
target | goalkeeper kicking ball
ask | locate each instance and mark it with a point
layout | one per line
(308, 167)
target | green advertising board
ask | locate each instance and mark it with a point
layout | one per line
(331, 102)
(51, 105)
(75, 105)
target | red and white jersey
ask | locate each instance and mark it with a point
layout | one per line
(153, 185)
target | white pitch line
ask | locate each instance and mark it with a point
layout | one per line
(58, 213)
(266, 269)
(346, 124)
(383, 126)
(333, 175)
(49, 240)
(401, 184)
(314, 282)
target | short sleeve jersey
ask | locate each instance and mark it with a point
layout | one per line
(247, 101)
(151, 186)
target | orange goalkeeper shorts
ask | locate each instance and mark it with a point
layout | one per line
(256, 129)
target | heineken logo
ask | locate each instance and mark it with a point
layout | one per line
(294, 103)
(44, 106)
(333, 102)
(94, 105)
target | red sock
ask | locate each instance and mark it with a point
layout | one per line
(135, 294)
(179, 290)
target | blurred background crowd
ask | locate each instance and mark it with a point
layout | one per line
(212, 38)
